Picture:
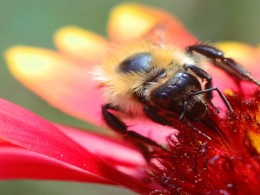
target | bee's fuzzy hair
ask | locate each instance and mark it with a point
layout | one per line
(121, 87)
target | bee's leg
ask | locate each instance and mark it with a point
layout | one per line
(120, 127)
(152, 114)
(204, 75)
(185, 105)
(227, 64)
(224, 99)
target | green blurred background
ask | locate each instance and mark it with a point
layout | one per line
(32, 22)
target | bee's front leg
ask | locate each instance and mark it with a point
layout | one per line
(120, 127)
(227, 64)
(152, 114)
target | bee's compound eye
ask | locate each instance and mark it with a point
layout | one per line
(136, 63)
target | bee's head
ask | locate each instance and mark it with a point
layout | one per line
(174, 95)
(176, 92)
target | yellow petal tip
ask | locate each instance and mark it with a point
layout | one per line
(130, 20)
(229, 92)
(28, 61)
(232, 48)
(79, 42)
(255, 138)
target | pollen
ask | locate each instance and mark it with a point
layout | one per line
(229, 92)
(255, 137)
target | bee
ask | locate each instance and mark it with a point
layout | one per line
(144, 80)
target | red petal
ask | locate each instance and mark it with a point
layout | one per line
(27, 130)
(101, 145)
(17, 163)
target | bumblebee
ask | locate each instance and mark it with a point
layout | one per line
(143, 80)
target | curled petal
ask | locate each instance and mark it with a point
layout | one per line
(80, 43)
(129, 21)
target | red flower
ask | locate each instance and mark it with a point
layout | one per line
(31, 147)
